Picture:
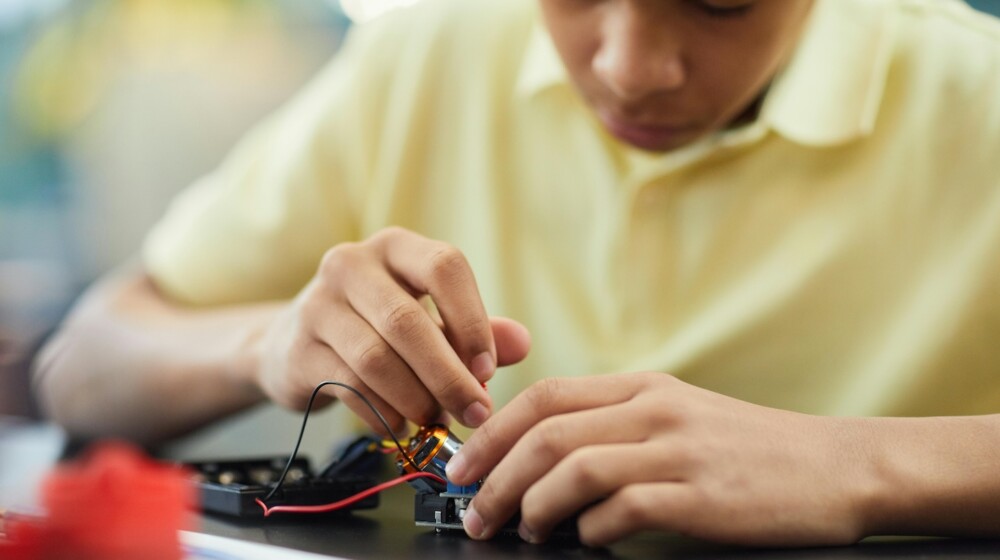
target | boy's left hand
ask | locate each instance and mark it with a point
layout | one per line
(647, 451)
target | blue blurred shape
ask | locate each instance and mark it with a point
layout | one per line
(989, 6)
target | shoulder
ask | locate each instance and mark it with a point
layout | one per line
(953, 18)
(947, 41)
(947, 67)
(401, 71)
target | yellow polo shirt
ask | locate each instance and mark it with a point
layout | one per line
(840, 255)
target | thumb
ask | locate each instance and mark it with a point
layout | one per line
(512, 340)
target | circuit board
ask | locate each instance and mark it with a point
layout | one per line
(445, 511)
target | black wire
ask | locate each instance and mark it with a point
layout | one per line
(305, 418)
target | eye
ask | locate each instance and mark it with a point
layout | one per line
(724, 10)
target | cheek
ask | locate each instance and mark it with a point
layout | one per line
(577, 51)
(729, 77)
(732, 68)
(574, 29)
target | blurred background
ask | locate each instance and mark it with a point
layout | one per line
(107, 109)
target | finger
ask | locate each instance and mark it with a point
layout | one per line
(587, 475)
(549, 397)
(512, 340)
(538, 452)
(371, 359)
(441, 270)
(637, 507)
(408, 329)
(337, 370)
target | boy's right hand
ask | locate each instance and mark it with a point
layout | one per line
(359, 321)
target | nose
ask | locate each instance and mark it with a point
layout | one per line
(639, 56)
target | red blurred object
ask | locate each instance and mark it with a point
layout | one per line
(115, 504)
(24, 539)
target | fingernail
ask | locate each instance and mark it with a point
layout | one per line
(525, 533)
(473, 523)
(456, 466)
(475, 414)
(483, 366)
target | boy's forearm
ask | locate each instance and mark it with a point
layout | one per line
(128, 363)
(937, 476)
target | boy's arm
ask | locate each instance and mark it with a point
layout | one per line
(127, 362)
(647, 451)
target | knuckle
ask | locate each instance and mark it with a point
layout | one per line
(687, 456)
(473, 323)
(375, 358)
(548, 438)
(650, 378)
(452, 391)
(337, 263)
(545, 393)
(584, 470)
(338, 257)
(390, 234)
(403, 319)
(660, 417)
(312, 307)
(634, 505)
(446, 264)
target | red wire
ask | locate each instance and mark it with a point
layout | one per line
(350, 500)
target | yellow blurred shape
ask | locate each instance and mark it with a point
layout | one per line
(67, 72)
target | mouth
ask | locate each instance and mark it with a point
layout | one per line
(646, 136)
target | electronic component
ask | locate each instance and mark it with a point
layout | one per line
(233, 487)
(445, 511)
(429, 451)
(441, 510)
(443, 506)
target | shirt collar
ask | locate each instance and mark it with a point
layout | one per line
(542, 67)
(828, 94)
(831, 90)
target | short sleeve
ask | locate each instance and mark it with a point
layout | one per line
(256, 228)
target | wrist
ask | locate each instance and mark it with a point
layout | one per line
(249, 354)
(874, 483)
(930, 476)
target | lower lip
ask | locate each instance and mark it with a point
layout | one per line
(658, 138)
